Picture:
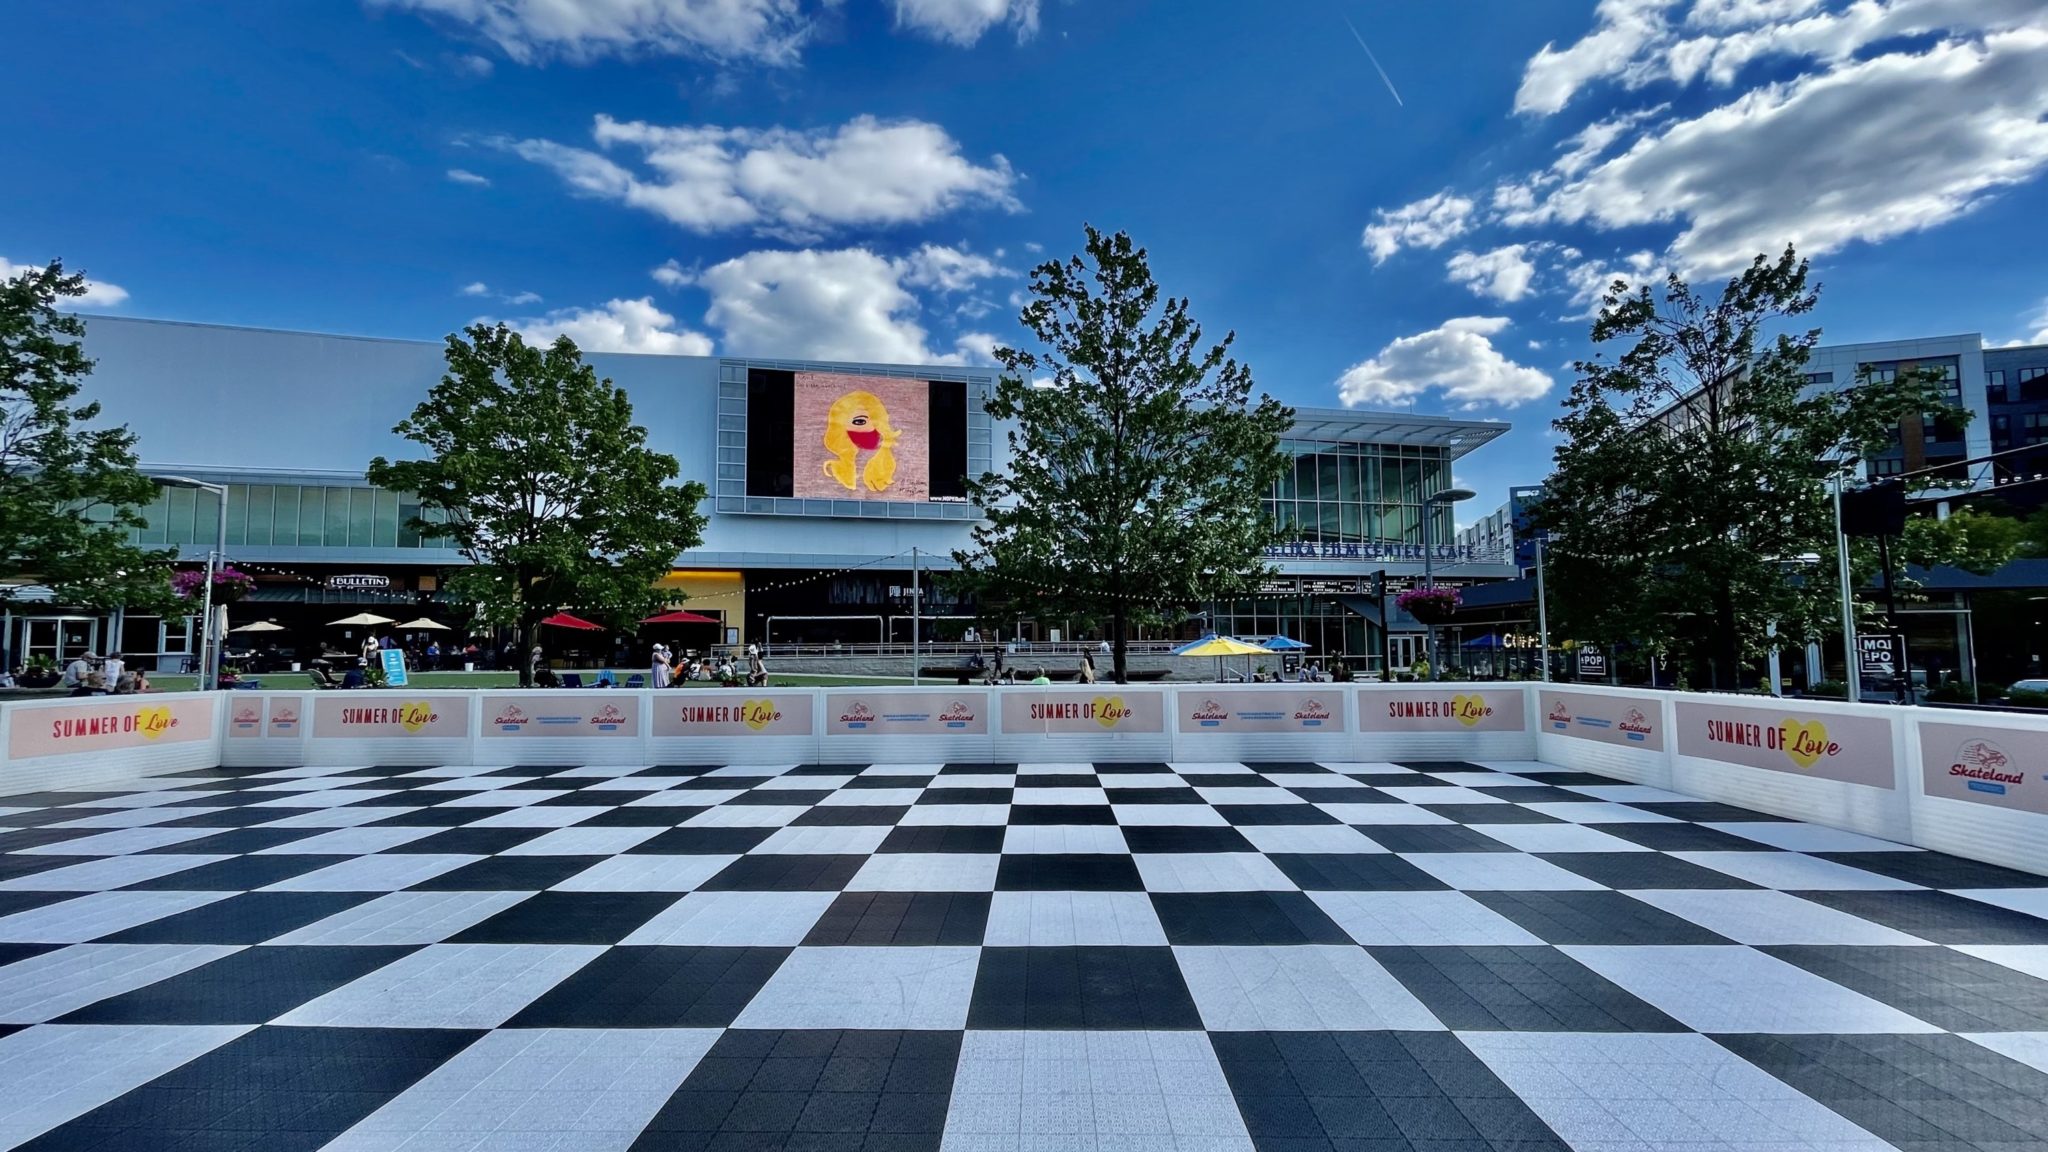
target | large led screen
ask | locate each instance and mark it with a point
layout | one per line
(834, 436)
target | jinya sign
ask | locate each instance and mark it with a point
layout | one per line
(1057, 712)
(2002, 767)
(1606, 719)
(701, 714)
(1827, 746)
(382, 715)
(1430, 710)
(107, 723)
(1257, 710)
(906, 713)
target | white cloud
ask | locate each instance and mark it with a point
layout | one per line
(2039, 323)
(1503, 274)
(473, 65)
(1614, 48)
(1457, 360)
(1427, 223)
(963, 22)
(98, 293)
(516, 299)
(534, 31)
(476, 288)
(519, 298)
(616, 326)
(465, 176)
(977, 347)
(844, 304)
(781, 181)
(671, 275)
(948, 269)
(1587, 282)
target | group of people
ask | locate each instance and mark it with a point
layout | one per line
(89, 674)
(666, 668)
(1002, 672)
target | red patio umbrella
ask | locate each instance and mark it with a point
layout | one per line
(679, 616)
(564, 620)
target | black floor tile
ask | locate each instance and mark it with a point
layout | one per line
(1936, 869)
(939, 795)
(1946, 988)
(569, 918)
(1133, 768)
(1266, 815)
(436, 815)
(851, 816)
(1354, 872)
(13, 866)
(246, 918)
(1570, 779)
(1524, 988)
(1441, 766)
(470, 841)
(1244, 918)
(1430, 838)
(1128, 796)
(275, 1089)
(645, 816)
(1387, 780)
(1146, 839)
(1680, 837)
(777, 797)
(237, 818)
(1058, 872)
(1642, 871)
(1704, 811)
(1353, 794)
(14, 953)
(1916, 1091)
(1228, 780)
(12, 902)
(23, 838)
(238, 841)
(902, 918)
(508, 874)
(1531, 793)
(633, 986)
(1595, 918)
(249, 987)
(786, 873)
(1024, 815)
(866, 782)
(1095, 988)
(1938, 916)
(238, 874)
(701, 842)
(977, 839)
(1490, 814)
(1058, 780)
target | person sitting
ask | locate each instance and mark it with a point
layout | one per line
(138, 681)
(1040, 677)
(544, 677)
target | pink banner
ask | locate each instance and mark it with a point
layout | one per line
(1088, 712)
(686, 713)
(366, 715)
(107, 723)
(287, 720)
(561, 715)
(245, 716)
(2002, 767)
(1285, 709)
(1447, 710)
(1606, 719)
(1849, 749)
(961, 713)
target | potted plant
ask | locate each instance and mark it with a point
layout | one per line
(41, 672)
(229, 584)
(1429, 604)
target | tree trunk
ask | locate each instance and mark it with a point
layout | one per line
(1728, 646)
(525, 632)
(1119, 648)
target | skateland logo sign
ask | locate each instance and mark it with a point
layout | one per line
(1606, 719)
(1980, 764)
(1275, 710)
(1826, 746)
(561, 715)
(854, 713)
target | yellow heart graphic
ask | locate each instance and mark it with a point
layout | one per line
(153, 722)
(1803, 743)
(1110, 710)
(757, 713)
(415, 715)
(1468, 709)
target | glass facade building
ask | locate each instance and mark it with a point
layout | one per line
(284, 516)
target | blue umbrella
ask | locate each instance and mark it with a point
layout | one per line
(1283, 644)
(1490, 640)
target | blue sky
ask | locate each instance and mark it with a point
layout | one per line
(870, 179)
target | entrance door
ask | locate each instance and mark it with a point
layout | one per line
(59, 638)
(1405, 647)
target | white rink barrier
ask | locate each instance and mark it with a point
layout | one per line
(1971, 783)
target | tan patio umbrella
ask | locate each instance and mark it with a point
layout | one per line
(258, 626)
(424, 625)
(361, 620)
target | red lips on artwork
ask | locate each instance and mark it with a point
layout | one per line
(866, 441)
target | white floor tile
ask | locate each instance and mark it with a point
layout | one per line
(1297, 988)
(503, 798)
(1499, 872)
(866, 988)
(956, 816)
(332, 798)
(1439, 794)
(1793, 871)
(1795, 837)
(1383, 814)
(1218, 768)
(1118, 780)
(57, 1072)
(2029, 1048)
(1091, 1092)
(871, 798)
(1310, 838)
(119, 842)
(823, 840)
(1630, 793)
(1556, 838)
(350, 842)
(97, 914)
(404, 918)
(1059, 796)
(2032, 901)
(127, 817)
(1212, 872)
(540, 816)
(600, 841)
(1066, 919)
(648, 873)
(1224, 795)
(350, 817)
(45, 987)
(2029, 958)
(927, 872)
(744, 815)
(803, 783)
(106, 873)
(1034, 839)
(387, 873)
(447, 986)
(683, 798)
(736, 919)
(1730, 988)
(1168, 816)
(1420, 919)
(1749, 916)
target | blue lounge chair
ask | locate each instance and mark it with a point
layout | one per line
(636, 680)
(572, 680)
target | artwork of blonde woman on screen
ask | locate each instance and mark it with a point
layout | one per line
(858, 423)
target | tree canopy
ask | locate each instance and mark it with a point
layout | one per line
(1140, 461)
(1690, 506)
(534, 468)
(69, 490)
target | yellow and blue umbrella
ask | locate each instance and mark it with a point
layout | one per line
(1221, 646)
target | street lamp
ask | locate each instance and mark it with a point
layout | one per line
(1447, 496)
(208, 656)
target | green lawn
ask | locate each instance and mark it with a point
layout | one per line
(292, 680)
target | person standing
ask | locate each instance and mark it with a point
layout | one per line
(757, 669)
(1087, 668)
(370, 651)
(658, 661)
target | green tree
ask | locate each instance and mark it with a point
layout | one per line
(69, 491)
(1139, 459)
(1692, 478)
(535, 469)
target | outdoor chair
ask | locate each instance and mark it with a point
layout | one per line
(636, 680)
(353, 678)
(572, 680)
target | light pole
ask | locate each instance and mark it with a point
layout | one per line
(209, 656)
(1447, 496)
(1543, 610)
(1848, 600)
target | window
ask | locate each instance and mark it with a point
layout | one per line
(2027, 374)
(1994, 386)
(1884, 467)
(1879, 374)
(1819, 377)
(284, 518)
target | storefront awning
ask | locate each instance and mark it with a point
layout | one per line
(307, 594)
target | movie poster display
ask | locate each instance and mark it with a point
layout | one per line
(1826, 746)
(861, 438)
(1441, 710)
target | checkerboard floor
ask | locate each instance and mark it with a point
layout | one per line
(1452, 957)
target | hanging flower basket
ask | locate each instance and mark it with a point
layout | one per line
(229, 584)
(1431, 605)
